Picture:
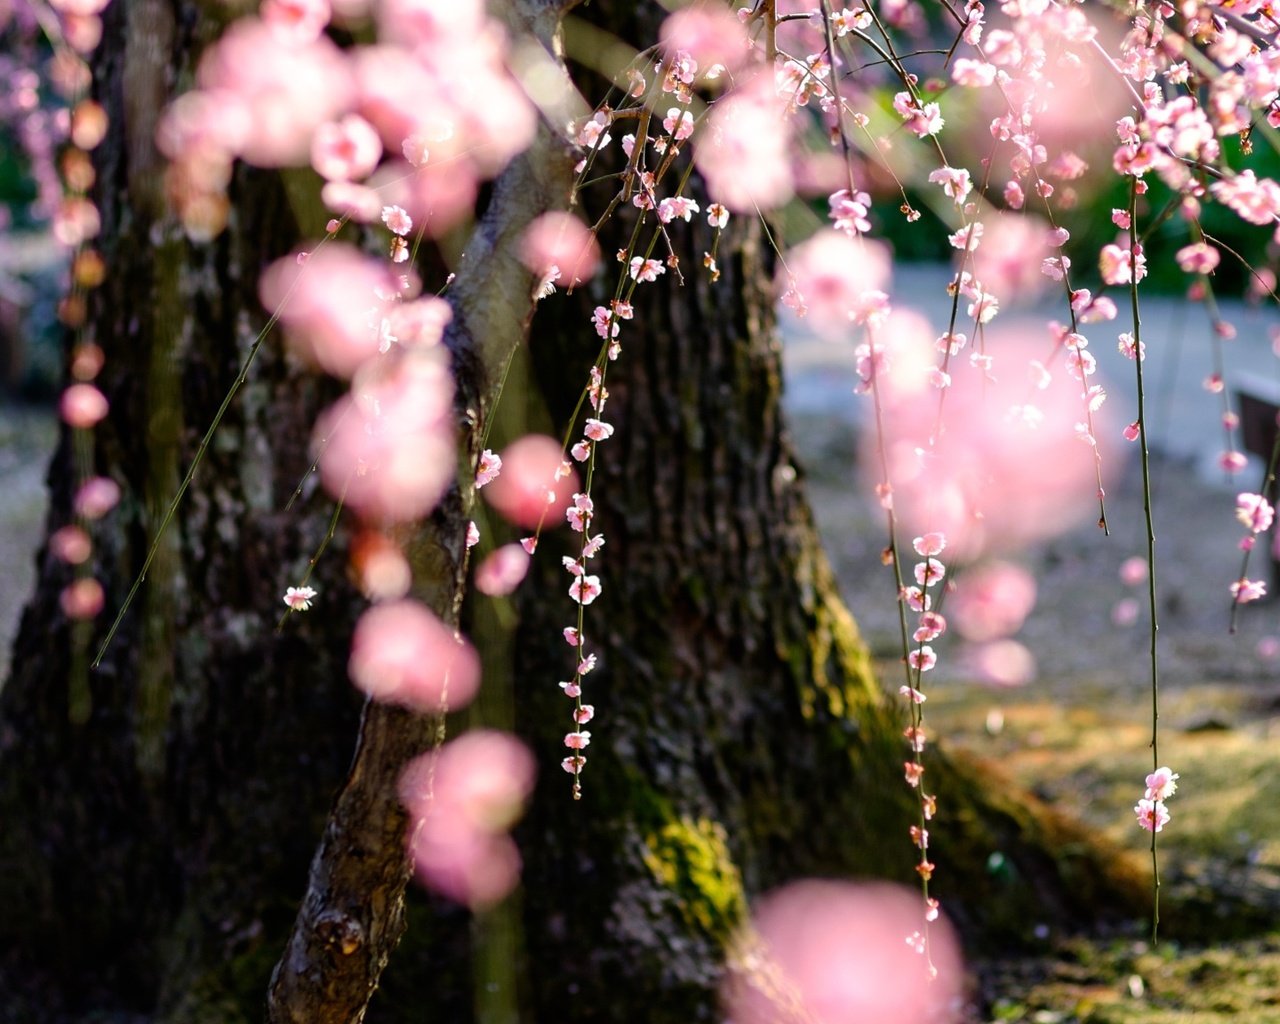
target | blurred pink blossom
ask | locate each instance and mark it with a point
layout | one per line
(830, 952)
(402, 654)
(744, 151)
(530, 469)
(390, 442)
(1007, 467)
(280, 92)
(82, 599)
(71, 545)
(96, 497)
(462, 800)
(991, 601)
(1000, 663)
(345, 150)
(709, 33)
(502, 571)
(833, 273)
(563, 241)
(82, 406)
(331, 305)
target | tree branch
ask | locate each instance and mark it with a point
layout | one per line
(352, 915)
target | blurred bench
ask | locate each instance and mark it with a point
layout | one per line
(1258, 399)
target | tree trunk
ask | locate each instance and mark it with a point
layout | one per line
(160, 813)
(740, 738)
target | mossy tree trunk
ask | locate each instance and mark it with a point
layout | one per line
(158, 824)
(158, 812)
(740, 738)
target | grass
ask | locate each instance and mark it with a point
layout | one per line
(1088, 754)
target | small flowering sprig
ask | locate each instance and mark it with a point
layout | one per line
(1153, 815)
(922, 658)
(1257, 515)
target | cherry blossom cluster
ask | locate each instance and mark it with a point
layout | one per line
(1151, 811)
(415, 119)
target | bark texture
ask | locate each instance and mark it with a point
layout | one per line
(145, 864)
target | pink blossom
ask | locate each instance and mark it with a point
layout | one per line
(992, 601)
(286, 91)
(389, 444)
(1254, 511)
(1162, 784)
(473, 534)
(955, 183)
(579, 740)
(929, 544)
(744, 152)
(836, 274)
(677, 208)
(1152, 815)
(82, 598)
(912, 694)
(598, 430)
(560, 240)
(678, 123)
(929, 572)
(402, 654)
(529, 477)
(299, 598)
(96, 497)
(916, 599)
(1245, 590)
(502, 571)
(932, 625)
(646, 270)
(922, 659)
(462, 800)
(585, 589)
(584, 714)
(345, 150)
(1116, 265)
(330, 305)
(717, 215)
(489, 468)
(82, 406)
(398, 222)
(833, 952)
